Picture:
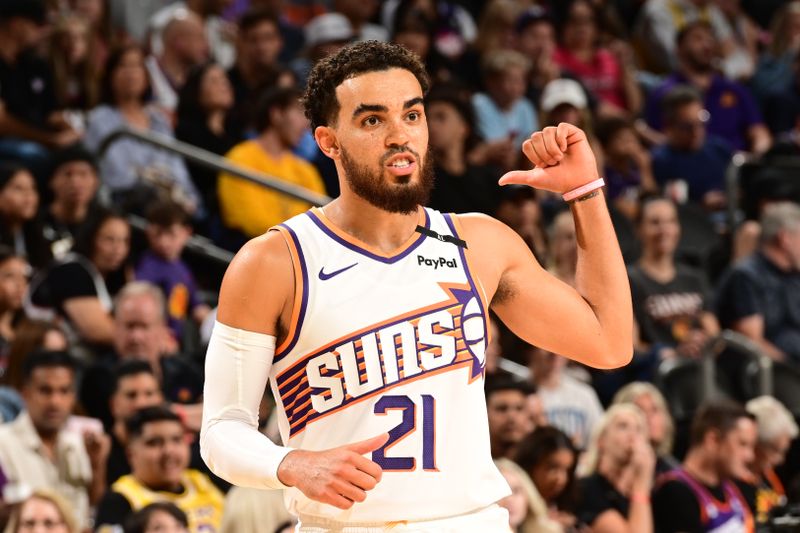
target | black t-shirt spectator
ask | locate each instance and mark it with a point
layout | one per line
(755, 286)
(597, 496)
(675, 508)
(29, 242)
(117, 463)
(474, 191)
(665, 312)
(113, 509)
(26, 89)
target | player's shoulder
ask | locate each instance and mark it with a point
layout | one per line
(263, 261)
(483, 229)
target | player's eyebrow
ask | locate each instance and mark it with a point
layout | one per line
(369, 108)
(412, 102)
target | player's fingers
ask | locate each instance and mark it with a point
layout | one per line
(349, 491)
(562, 134)
(541, 149)
(530, 153)
(361, 479)
(550, 140)
(337, 500)
(368, 445)
(370, 468)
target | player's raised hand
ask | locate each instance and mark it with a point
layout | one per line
(562, 157)
(339, 476)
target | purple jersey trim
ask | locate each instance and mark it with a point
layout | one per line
(304, 302)
(354, 247)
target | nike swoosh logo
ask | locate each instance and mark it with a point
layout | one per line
(323, 275)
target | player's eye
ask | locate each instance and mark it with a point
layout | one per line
(371, 121)
(414, 116)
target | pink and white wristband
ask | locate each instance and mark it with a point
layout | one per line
(582, 190)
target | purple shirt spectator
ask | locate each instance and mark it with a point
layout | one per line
(731, 107)
(176, 281)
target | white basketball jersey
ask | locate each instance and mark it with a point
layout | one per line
(388, 343)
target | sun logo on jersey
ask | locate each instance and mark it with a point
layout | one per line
(445, 336)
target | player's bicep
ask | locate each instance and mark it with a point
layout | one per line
(258, 285)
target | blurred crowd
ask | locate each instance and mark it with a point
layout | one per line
(692, 108)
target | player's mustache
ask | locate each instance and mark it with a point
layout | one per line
(391, 152)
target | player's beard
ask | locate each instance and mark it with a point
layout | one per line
(395, 197)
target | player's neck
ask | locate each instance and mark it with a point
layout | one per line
(374, 226)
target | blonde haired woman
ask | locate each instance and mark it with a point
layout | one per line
(617, 472)
(660, 427)
(42, 511)
(527, 511)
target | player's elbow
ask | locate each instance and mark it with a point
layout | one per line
(612, 353)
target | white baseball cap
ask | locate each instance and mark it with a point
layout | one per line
(563, 91)
(328, 28)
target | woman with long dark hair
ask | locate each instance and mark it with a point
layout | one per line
(79, 289)
(20, 227)
(128, 165)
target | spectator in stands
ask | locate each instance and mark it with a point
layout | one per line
(79, 288)
(661, 21)
(691, 156)
(701, 496)
(776, 65)
(549, 458)
(628, 166)
(760, 296)
(360, 13)
(536, 40)
(461, 187)
(140, 333)
(740, 61)
(249, 509)
(505, 117)
(129, 168)
(220, 34)
(159, 457)
(167, 231)
(14, 274)
(733, 114)
(564, 100)
(258, 46)
(28, 122)
(74, 184)
(562, 248)
(19, 226)
(617, 472)
(520, 209)
(158, 517)
(204, 120)
(660, 427)
(527, 511)
(75, 69)
(496, 26)
(777, 429)
(507, 409)
(670, 300)
(43, 511)
(570, 405)
(97, 14)
(782, 105)
(609, 75)
(250, 208)
(324, 35)
(38, 451)
(184, 47)
(29, 336)
(135, 387)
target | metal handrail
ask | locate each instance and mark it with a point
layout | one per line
(214, 162)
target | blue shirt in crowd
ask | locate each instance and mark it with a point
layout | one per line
(703, 170)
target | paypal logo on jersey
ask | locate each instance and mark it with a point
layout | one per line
(438, 262)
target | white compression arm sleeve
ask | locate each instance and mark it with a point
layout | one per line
(237, 367)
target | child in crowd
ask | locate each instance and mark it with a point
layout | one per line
(168, 230)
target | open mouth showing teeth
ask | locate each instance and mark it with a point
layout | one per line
(401, 163)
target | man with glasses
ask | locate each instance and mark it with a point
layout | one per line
(691, 165)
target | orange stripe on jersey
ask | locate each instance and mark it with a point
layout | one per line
(471, 272)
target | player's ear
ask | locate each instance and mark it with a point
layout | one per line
(326, 139)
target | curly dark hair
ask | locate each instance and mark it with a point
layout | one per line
(319, 100)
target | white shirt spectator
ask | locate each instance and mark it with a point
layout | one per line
(572, 406)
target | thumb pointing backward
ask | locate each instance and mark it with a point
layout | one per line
(520, 177)
(368, 445)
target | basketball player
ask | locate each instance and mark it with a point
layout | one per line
(369, 318)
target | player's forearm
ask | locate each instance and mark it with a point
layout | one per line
(602, 280)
